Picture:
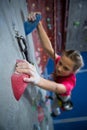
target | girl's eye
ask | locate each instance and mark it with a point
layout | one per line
(65, 68)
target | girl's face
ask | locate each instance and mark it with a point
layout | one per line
(65, 66)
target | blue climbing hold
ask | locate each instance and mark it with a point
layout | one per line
(29, 26)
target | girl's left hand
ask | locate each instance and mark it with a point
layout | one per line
(26, 67)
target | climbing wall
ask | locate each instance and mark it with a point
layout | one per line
(31, 111)
(77, 25)
(54, 19)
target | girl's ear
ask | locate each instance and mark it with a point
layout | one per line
(76, 71)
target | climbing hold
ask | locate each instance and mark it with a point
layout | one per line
(48, 19)
(49, 26)
(18, 84)
(76, 23)
(34, 105)
(33, 108)
(40, 113)
(29, 26)
(33, 4)
(47, 8)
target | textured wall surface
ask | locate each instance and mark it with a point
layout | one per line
(53, 19)
(77, 25)
(15, 115)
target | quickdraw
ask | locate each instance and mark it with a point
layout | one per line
(22, 45)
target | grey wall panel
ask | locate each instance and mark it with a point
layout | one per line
(14, 115)
(76, 34)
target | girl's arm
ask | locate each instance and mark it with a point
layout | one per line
(36, 79)
(51, 86)
(46, 43)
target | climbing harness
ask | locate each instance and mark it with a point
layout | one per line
(64, 105)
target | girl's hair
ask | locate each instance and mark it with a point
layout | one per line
(76, 57)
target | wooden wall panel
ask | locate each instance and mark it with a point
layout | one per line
(53, 19)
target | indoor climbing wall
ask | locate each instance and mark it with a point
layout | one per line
(31, 111)
(54, 13)
(77, 25)
(76, 39)
(47, 19)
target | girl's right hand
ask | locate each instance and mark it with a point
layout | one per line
(32, 16)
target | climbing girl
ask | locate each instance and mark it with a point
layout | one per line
(66, 66)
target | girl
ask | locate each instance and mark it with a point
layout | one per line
(66, 67)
